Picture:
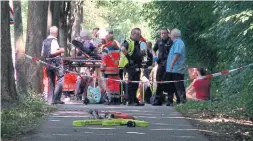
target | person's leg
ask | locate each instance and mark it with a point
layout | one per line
(78, 88)
(191, 97)
(136, 85)
(129, 86)
(133, 75)
(51, 81)
(159, 91)
(169, 88)
(180, 88)
(177, 97)
(116, 90)
(108, 90)
(59, 86)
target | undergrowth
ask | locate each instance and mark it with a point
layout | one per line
(23, 117)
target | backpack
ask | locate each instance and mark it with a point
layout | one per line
(94, 95)
(46, 48)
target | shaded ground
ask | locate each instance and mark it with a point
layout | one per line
(221, 128)
(165, 124)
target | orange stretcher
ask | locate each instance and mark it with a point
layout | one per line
(69, 81)
(70, 78)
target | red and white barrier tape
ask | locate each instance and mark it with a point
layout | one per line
(38, 60)
(128, 81)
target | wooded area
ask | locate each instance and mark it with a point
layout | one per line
(217, 34)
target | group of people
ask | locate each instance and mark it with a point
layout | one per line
(126, 61)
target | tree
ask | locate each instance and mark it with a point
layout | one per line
(76, 10)
(8, 88)
(20, 48)
(63, 25)
(36, 33)
(53, 13)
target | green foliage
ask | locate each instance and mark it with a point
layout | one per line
(23, 117)
(121, 16)
(218, 36)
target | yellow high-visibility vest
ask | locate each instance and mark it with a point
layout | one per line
(123, 59)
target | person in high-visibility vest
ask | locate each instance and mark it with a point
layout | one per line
(109, 66)
(131, 59)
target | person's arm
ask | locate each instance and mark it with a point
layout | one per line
(191, 89)
(155, 49)
(175, 58)
(42, 50)
(124, 48)
(103, 60)
(55, 48)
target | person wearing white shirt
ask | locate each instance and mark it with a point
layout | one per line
(51, 53)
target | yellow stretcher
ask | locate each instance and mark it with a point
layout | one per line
(111, 122)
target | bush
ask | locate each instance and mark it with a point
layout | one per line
(24, 116)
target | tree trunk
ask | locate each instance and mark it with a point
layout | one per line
(20, 49)
(36, 33)
(8, 88)
(56, 13)
(63, 27)
(76, 8)
(49, 16)
(53, 14)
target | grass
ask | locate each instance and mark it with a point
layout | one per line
(229, 118)
(22, 118)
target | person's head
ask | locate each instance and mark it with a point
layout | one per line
(95, 31)
(137, 28)
(201, 71)
(110, 31)
(53, 31)
(164, 33)
(136, 34)
(175, 34)
(149, 45)
(84, 34)
(109, 38)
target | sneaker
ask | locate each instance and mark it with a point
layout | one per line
(157, 104)
(58, 102)
(169, 104)
(107, 103)
(133, 104)
(67, 99)
(141, 104)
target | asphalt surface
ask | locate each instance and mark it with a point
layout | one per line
(165, 124)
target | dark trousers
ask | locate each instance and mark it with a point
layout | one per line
(133, 75)
(160, 76)
(147, 72)
(55, 90)
(176, 87)
(82, 84)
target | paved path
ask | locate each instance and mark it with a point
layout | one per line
(166, 124)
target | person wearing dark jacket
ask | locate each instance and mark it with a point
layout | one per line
(133, 66)
(163, 47)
